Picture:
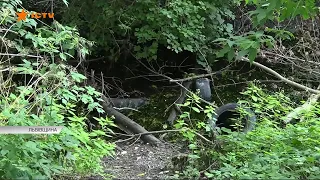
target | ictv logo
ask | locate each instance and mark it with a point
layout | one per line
(22, 16)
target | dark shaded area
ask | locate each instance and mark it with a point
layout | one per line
(226, 119)
(228, 116)
(130, 75)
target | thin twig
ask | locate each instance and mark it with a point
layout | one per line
(6, 69)
(165, 131)
(288, 57)
(20, 55)
(247, 82)
(126, 108)
(195, 77)
(179, 84)
(5, 30)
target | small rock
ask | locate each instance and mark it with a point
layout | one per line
(135, 148)
(138, 157)
(124, 152)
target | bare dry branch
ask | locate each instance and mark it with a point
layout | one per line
(292, 83)
(166, 131)
(195, 77)
(20, 55)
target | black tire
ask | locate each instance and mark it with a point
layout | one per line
(223, 115)
(203, 84)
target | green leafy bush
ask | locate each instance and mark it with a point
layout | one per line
(276, 11)
(271, 151)
(36, 90)
(144, 27)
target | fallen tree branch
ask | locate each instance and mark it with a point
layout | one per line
(128, 125)
(292, 83)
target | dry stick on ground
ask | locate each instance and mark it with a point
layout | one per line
(128, 125)
(165, 131)
(123, 122)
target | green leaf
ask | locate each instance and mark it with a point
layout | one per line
(223, 51)
(245, 44)
(230, 43)
(63, 56)
(196, 109)
(77, 76)
(69, 156)
(4, 152)
(305, 13)
(186, 103)
(184, 115)
(31, 145)
(254, 98)
(261, 16)
(242, 53)
(192, 146)
(231, 54)
(252, 54)
(220, 40)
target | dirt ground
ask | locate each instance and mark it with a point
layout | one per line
(136, 160)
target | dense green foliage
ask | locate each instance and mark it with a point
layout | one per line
(48, 94)
(38, 87)
(250, 43)
(271, 151)
(143, 26)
